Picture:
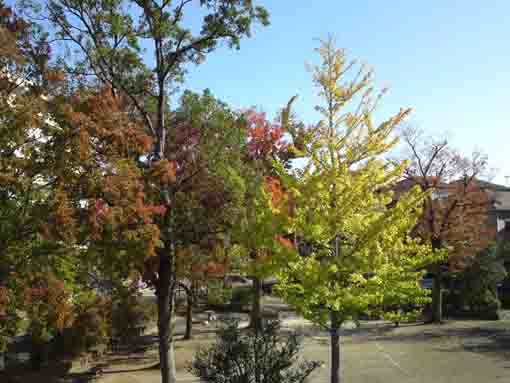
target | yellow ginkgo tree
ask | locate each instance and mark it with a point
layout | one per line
(357, 253)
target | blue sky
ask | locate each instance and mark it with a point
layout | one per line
(448, 60)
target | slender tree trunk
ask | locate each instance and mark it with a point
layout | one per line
(165, 325)
(437, 296)
(335, 349)
(189, 311)
(189, 318)
(256, 308)
(161, 127)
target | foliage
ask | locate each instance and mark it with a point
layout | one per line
(260, 227)
(241, 296)
(362, 253)
(48, 310)
(91, 326)
(109, 45)
(128, 314)
(240, 356)
(25, 199)
(480, 280)
(10, 320)
(455, 211)
(218, 295)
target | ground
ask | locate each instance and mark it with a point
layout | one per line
(463, 352)
(457, 351)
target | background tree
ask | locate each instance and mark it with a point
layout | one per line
(455, 209)
(265, 209)
(106, 38)
(361, 251)
(207, 143)
(28, 199)
(48, 308)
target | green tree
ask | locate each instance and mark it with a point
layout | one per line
(259, 233)
(361, 252)
(480, 279)
(264, 203)
(140, 49)
(28, 201)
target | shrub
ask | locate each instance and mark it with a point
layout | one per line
(129, 313)
(505, 301)
(480, 280)
(91, 326)
(49, 311)
(484, 303)
(219, 296)
(242, 296)
(244, 356)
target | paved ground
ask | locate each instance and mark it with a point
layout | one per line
(457, 352)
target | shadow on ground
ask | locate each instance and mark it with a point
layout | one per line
(483, 338)
(47, 376)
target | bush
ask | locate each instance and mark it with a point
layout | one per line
(91, 326)
(484, 303)
(505, 300)
(241, 356)
(219, 296)
(241, 296)
(480, 280)
(49, 312)
(129, 314)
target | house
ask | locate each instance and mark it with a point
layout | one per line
(476, 214)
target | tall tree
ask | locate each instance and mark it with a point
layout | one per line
(361, 252)
(454, 202)
(264, 204)
(27, 199)
(110, 40)
(208, 142)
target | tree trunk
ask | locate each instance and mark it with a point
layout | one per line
(437, 296)
(335, 349)
(189, 310)
(189, 318)
(165, 325)
(256, 308)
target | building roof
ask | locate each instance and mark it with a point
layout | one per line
(501, 199)
(493, 186)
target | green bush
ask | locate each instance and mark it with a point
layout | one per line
(241, 356)
(91, 326)
(129, 313)
(505, 301)
(241, 296)
(480, 280)
(484, 302)
(219, 296)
